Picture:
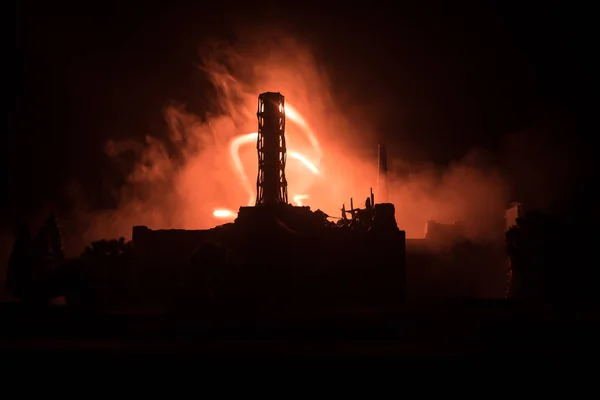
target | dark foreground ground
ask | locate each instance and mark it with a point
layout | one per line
(442, 328)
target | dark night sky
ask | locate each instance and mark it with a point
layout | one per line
(87, 71)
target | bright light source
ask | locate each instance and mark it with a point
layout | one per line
(298, 199)
(223, 213)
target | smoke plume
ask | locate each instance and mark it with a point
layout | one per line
(178, 182)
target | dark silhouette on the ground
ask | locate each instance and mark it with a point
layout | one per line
(286, 257)
(548, 261)
(551, 260)
(196, 314)
(33, 264)
(39, 272)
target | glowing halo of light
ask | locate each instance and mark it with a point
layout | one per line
(250, 138)
(237, 142)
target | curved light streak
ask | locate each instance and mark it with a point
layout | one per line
(297, 118)
(304, 161)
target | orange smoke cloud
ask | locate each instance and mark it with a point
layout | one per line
(192, 180)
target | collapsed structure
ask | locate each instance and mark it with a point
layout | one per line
(285, 254)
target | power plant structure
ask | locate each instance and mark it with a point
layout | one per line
(278, 253)
(273, 255)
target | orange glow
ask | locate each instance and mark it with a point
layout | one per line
(204, 164)
(304, 161)
(237, 162)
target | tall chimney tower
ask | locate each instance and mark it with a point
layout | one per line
(382, 170)
(271, 185)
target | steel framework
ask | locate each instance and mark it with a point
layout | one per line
(271, 184)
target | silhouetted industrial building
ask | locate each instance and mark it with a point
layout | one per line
(275, 254)
(289, 254)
